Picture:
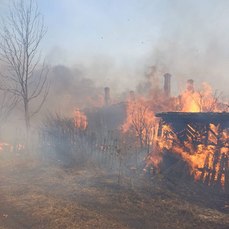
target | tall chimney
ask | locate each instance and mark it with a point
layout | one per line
(107, 96)
(190, 85)
(167, 84)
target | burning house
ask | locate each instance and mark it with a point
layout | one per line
(195, 135)
(199, 139)
(190, 130)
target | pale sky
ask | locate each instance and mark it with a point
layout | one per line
(117, 29)
(189, 38)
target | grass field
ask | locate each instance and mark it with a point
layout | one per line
(37, 194)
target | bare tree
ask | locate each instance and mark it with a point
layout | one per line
(22, 32)
(140, 119)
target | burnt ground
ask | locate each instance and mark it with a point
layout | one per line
(35, 194)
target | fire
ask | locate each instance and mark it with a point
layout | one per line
(7, 147)
(190, 102)
(207, 162)
(80, 119)
(140, 120)
(202, 100)
(204, 149)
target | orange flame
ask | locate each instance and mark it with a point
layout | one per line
(80, 119)
(202, 100)
(140, 120)
(204, 158)
(201, 158)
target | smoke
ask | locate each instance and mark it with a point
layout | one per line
(193, 43)
(70, 89)
(82, 84)
(188, 39)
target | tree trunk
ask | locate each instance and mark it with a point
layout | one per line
(27, 122)
(27, 118)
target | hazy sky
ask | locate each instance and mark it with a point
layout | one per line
(115, 28)
(189, 38)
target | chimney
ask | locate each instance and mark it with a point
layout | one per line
(190, 85)
(167, 84)
(107, 96)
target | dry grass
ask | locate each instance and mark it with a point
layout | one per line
(38, 195)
